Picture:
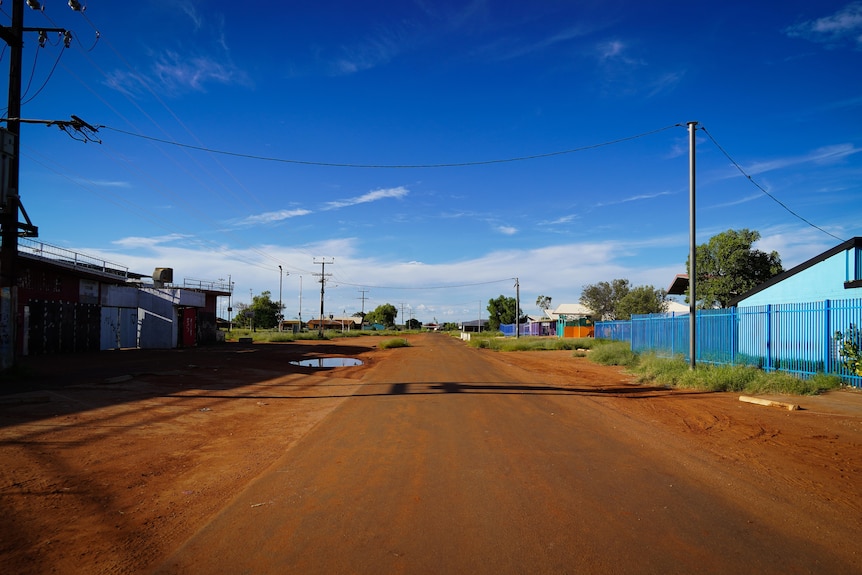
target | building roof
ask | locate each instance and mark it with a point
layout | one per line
(570, 309)
(853, 243)
(679, 285)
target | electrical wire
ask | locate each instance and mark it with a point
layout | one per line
(397, 166)
(32, 71)
(45, 83)
(762, 189)
(425, 287)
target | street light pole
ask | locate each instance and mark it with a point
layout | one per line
(280, 307)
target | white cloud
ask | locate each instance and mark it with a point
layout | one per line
(843, 25)
(271, 217)
(372, 196)
(148, 242)
(507, 230)
(636, 198)
(823, 155)
(106, 183)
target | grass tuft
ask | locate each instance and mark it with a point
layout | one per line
(393, 343)
(735, 378)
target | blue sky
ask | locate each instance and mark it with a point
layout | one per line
(299, 96)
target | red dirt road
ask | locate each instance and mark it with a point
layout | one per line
(431, 459)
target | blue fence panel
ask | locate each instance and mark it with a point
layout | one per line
(665, 334)
(614, 330)
(840, 316)
(796, 338)
(753, 336)
(716, 335)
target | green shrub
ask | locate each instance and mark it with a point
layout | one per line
(735, 378)
(614, 353)
(392, 343)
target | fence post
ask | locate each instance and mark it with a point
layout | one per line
(734, 335)
(827, 350)
(767, 364)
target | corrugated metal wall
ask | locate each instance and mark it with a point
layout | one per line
(61, 327)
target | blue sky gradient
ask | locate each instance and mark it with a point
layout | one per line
(443, 90)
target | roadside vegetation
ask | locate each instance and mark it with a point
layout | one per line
(672, 373)
(275, 336)
(738, 378)
(496, 341)
(393, 343)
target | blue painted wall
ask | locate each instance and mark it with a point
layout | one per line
(822, 281)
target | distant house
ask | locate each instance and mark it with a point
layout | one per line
(475, 325)
(573, 320)
(833, 275)
(677, 308)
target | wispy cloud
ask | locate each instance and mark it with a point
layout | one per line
(507, 230)
(636, 198)
(272, 217)
(845, 25)
(148, 242)
(561, 220)
(378, 49)
(106, 183)
(541, 45)
(824, 155)
(744, 200)
(190, 11)
(176, 71)
(616, 52)
(372, 196)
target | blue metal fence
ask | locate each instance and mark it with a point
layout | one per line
(614, 330)
(796, 338)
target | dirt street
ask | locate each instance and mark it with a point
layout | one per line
(435, 458)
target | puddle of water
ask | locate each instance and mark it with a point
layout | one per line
(328, 362)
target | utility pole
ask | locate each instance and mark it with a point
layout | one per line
(10, 202)
(363, 298)
(692, 259)
(280, 305)
(323, 275)
(229, 305)
(517, 309)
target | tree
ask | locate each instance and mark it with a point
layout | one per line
(543, 302)
(240, 319)
(266, 312)
(414, 323)
(602, 298)
(642, 300)
(850, 349)
(728, 266)
(502, 310)
(384, 314)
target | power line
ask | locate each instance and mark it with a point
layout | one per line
(395, 166)
(424, 287)
(762, 189)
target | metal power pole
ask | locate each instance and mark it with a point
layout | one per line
(323, 276)
(363, 298)
(517, 309)
(10, 202)
(9, 212)
(280, 306)
(692, 259)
